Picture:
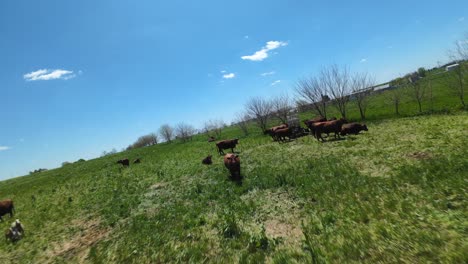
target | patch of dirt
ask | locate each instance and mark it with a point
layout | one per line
(158, 185)
(78, 246)
(420, 155)
(280, 214)
(292, 234)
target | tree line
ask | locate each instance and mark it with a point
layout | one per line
(333, 86)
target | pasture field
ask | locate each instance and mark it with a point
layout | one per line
(397, 193)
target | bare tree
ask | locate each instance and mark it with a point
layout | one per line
(418, 92)
(242, 121)
(281, 105)
(460, 53)
(396, 94)
(313, 91)
(166, 132)
(337, 82)
(185, 132)
(143, 141)
(259, 109)
(361, 87)
(105, 153)
(214, 127)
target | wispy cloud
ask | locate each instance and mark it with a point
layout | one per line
(275, 82)
(267, 73)
(229, 76)
(461, 19)
(223, 71)
(4, 148)
(46, 74)
(363, 60)
(263, 53)
(246, 36)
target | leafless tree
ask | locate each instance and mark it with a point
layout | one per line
(242, 121)
(361, 82)
(396, 94)
(395, 97)
(185, 131)
(214, 127)
(143, 141)
(337, 82)
(460, 53)
(312, 91)
(259, 109)
(166, 132)
(418, 91)
(105, 153)
(281, 105)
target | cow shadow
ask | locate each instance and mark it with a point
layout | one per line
(333, 139)
(236, 180)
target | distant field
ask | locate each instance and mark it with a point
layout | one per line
(397, 193)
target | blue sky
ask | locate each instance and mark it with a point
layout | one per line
(81, 77)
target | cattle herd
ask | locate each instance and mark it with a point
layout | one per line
(316, 127)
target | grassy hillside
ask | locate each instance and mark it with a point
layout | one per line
(397, 193)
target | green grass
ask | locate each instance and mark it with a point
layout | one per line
(397, 193)
(394, 194)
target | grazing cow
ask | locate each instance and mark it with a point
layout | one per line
(232, 163)
(124, 162)
(207, 160)
(271, 131)
(137, 161)
(6, 207)
(281, 134)
(227, 144)
(329, 127)
(15, 232)
(352, 128)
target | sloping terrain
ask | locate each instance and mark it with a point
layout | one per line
(397, 193)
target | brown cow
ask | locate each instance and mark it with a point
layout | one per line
(232, 163)
(281, 134)
(124, 162)
(6, 207)
(352, 128)
(226, 144)
(207, 160)
(271, 131)
(329, 127)
(311, 123)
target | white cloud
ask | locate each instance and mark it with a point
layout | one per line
(461, 19)
(223, 71)
(275, 82)
(263, 53)
(363, 60)
(267, 73)
(229, 76)
(46, 74)
(4, 148)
